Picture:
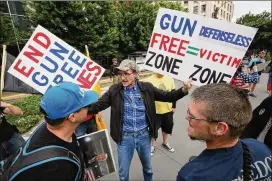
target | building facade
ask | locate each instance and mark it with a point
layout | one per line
(207, 8)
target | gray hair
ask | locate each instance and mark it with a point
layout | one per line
(226, 103)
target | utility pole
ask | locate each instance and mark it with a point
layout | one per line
(13, 28)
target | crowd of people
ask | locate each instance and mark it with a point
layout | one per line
(238, 139)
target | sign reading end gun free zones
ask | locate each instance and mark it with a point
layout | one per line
(47, 60)
(187, 46)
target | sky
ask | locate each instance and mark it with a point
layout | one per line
(255, 7)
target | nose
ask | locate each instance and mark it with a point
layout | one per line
(187, 118)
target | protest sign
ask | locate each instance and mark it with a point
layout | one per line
(98, 156)
(47, 60)
(262, 66)
(186, 45)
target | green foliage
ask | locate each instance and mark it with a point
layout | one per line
(136, 23)
(7, 33)
(106, 29)
(30, 106)
(262, 21)
(268, 56)
(78, 23)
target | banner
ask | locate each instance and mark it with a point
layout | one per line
(47, 60)
(97, 153)
(13, 84)
(187, 46)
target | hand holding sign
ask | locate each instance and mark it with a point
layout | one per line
(187, 85)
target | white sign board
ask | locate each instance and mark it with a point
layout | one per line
(262, 66)
(187, 46)
(47, 60)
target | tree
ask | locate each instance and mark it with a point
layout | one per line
(7, 32)
(78, 23)
(262, 21)
(136, 23)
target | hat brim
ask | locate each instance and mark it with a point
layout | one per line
(122, 68)
(89, 98)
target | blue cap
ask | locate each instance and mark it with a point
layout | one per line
(66, 98)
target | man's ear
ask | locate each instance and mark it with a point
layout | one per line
(71, 117)
(219, 129)
(222, 128)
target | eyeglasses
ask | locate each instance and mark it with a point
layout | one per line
(190, 116)
(125, 74)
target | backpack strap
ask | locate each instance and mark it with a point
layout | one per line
(40, 156)
(26, 160)
(247, 163)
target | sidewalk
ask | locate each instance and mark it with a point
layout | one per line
(105, 83)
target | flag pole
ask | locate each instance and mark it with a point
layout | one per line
(4, 60)
(87, 51)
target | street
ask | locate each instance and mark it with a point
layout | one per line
(165, 164)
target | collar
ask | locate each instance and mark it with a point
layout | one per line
(132, 88)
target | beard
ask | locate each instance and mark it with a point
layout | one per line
(197, 139)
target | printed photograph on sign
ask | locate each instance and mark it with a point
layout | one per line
(97, 153)
(207, 50)
(46, 60)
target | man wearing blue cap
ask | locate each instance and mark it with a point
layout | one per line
(133, 116)
(64, 108)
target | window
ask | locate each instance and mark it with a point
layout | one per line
(224, 15)
(228, 7)
(221, 12)
(203, 8)
(195, 10)
(214, 7)
(186, 3)
(227, 16)
(224, 4)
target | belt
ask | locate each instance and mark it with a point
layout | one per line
(136, 132)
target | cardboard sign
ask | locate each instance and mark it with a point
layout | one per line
(98, 155)
(185, 45)
(262, 66)
(47, 60)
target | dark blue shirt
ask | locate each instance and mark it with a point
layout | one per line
(226, 164)
(134, 110)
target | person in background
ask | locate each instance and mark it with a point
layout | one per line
(260, 126)
(114, 71)
(241, 79)
(10, 139)
(252, 63)
(164, 110)
(217, 114)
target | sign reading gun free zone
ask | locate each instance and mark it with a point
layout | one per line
(187, 46)
(47, 60)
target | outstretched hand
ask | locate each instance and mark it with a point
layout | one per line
(187, 85)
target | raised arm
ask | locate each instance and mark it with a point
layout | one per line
(102, 103)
